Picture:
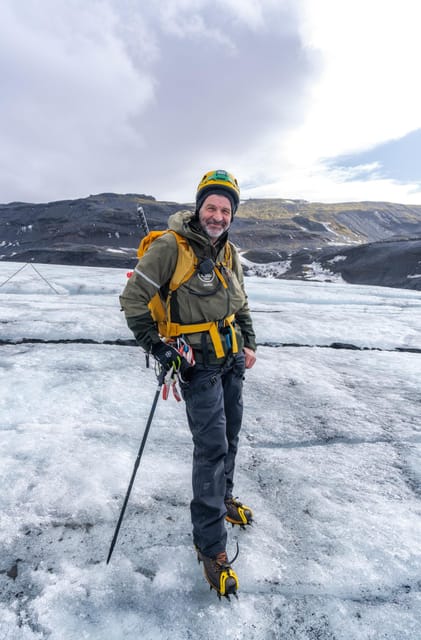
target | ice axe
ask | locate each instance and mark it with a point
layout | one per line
(161, 378)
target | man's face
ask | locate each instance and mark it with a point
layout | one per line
(215, 216)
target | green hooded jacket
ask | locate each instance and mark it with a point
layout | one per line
(201, 299)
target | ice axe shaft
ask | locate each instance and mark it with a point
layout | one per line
(136, 465)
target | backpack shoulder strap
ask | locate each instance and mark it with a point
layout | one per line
(186, 262)
(186, 258)
(229, 248)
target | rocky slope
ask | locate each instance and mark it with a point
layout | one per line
(365, 242)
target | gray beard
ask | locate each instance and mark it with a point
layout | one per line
(214, 237)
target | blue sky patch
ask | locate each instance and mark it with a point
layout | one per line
(398, 159)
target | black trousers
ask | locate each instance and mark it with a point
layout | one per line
(214, 407)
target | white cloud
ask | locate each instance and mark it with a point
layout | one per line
(117, 95)
(70, 89)
(318, 184)
(248, 11)
(366, 94)
(368, 91)
(183, 19)
(121, 96)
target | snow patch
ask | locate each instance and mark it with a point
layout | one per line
(315, 271)
(337, 259)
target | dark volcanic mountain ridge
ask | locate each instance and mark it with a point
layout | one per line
(364, 242)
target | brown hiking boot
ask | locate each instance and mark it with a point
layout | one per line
(238, 513)
(219, 574)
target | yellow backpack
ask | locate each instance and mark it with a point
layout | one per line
(187, 264)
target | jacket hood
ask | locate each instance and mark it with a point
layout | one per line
(179, 222)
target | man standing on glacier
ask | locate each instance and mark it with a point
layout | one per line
(207, 319)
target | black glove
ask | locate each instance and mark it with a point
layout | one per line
(167, 356)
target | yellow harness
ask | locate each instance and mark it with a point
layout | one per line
(186, 266)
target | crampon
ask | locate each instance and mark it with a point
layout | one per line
(219, 574)
(238, 513)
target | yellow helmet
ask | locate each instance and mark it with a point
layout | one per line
(219, 182)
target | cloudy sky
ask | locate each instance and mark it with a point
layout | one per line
(313, 99)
